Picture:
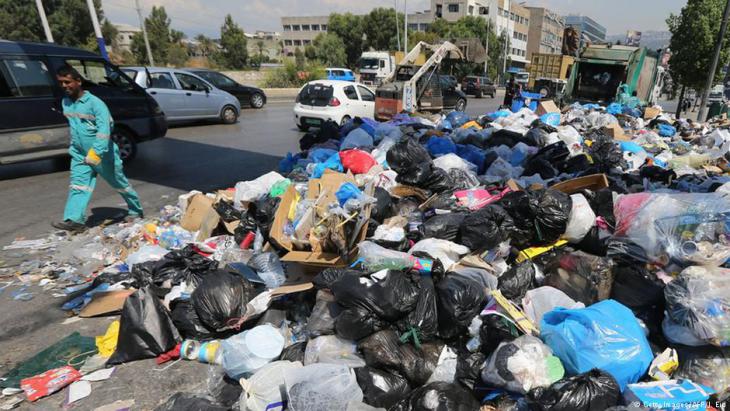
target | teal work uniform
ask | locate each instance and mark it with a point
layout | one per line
(91, 125)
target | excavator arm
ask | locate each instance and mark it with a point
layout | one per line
(410, 93)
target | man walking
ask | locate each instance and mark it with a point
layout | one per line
(92, 152)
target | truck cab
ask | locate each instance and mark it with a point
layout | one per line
(375, 66)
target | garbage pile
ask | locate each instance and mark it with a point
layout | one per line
(542, 260)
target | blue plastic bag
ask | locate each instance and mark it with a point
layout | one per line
(665, 130)
(605, 335)
(499, 113)
(591, 106)
(357, 138)
(473, 155)
(320, 155)
(614, 108)
(369, 125)
(286, 165)
(438, 146)
(333, 163)
(346, 192)
(457, 118)
(552, 119)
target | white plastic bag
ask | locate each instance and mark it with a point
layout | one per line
(263, 391)
(318, 387)
(250, 350)
(451, 160)
(252, 190)
(572, 139)
(582, 219)
(521, 365)
(541, 300)
(386, 233)
(445, 367)
(146, 253)
(448, 252)
(333, 350)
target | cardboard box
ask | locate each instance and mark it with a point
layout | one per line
(547, 106)
(196, 212)
(616, 132)
(592, 182)
(106, 303)
(650, 113)
(327, 185)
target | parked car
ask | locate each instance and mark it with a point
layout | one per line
(248, 96)
(184, 96)
(716, 97)
(32, 125)
(340, 74)
(478, 86)
(453, 98)
(336, 100)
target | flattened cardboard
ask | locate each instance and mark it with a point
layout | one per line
(196, 211)
(547, 106)
(592, 182)
(328, 184)
(290, 289)
(650, 113)
(401, 191)
(209, 223)
(616, 132)
(106, 303)
(512, 184)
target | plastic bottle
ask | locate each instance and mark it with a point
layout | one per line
(374, 257)
(269, 268)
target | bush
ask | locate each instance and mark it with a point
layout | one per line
(289, 76)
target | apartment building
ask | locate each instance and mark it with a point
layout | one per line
(267, 43)
(520, 17)
(125, 33)
(298, 32)
(546, 32)
(587, 28)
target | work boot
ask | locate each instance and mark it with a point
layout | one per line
(133, 218)
(71, 226)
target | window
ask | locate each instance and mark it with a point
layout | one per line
(305, 42)
(366, 94)
(297, 42)
(483, 10)
(287, 27)
(98, 73)
(315, 27)
(338, 73)
(161, 80)
(295, 27)
(413, 26)
(324, 27)
(305, 27)
(287, 42)
(453, 8)
(25, 78)
(350, 93)
(471, 10)
(439, 10)
(218, 79)
(527, 22)
(191, 83)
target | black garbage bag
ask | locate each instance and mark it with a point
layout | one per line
(541, 167)
(383, 350)
(708, 365)
(495, 329)
(182, 401)
(423, 319)
(485, 228)
(390, 297)
(406, 206)
(381, 388)
(247, 225)
(554, 154)
(356, 323)
(226, 211)
(469, 368)
(172, 269)
(186, 321)
(437, 180)
(322, 319)
(593, 243)
(331, 275)
(517, 280)
(411, 161)
(591, 391)
(583, 277)
(459, 300)
(220, 300)
(537, 135)
(263, 212)
(635, 287)
(145, 329)
(606, 154)
(443, 226)
(624, 251)
(657, 174)
(438, 396)
(383, 207)
(505, 137)
(461, 180)
(540, 217)
(294, 352)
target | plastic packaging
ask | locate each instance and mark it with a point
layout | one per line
(319, 387)
(269, 268)
(332, 350)
(521, 365)
(146, 253)
(247, 191)
(593, 390)
(374, 258)
(445, 251)
(605, 335)
(47, 383)
(541, 300)
(250, 350)
(582, 219)
(438, 396)
(707, 365)
(263, 390)
(451, 160)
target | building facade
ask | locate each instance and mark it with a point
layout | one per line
(267, 43)
(125, 33)
(298, 32)
(546, 32)
(520, 17)
(587, 28)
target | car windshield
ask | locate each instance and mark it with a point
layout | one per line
(369, 64)
(315, 95)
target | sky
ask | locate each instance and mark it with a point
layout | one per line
(206, 16)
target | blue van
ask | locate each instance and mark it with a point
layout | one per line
(340, 74)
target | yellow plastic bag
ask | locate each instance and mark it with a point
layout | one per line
(107, 343)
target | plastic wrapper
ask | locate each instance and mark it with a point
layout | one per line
(459, 300)
(145, 329)
(699, 300)
(583, 277)
(247, 191)
(220, 300)
(593, 390)
(146, 253)
(333, 350)
(263, 390)
(383, 350)
(250, 350)
(690, 229)
(605, 335)
(322, 319)
(381, 388)
(582, 219)
(541, 300)
(447, 252)
(521, 365)
(517, 280)
(269, 268)
(294, 352)
(450, 161)
(438, 396)
(485, 228)
(319, 387)
(540, 217)
(445, 370)
(47, 383)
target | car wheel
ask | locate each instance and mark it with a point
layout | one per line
(125, 143)
(344, 120)
(460, 105)
(302, 127)
(257, 100)
(229, 115)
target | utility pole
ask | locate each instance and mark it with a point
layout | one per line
(97, 29)
(405, 26)
(715, 60)
(486, 51)
(144, 33)
(397, 25)
(44, 21)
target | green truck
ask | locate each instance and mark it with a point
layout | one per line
(596, 75)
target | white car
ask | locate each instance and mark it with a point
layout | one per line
(336, 100)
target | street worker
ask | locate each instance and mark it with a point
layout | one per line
(92, 152)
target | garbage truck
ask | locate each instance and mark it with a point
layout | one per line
(412, 87)
(596, 75)
(375, 66)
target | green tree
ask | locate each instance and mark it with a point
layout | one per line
(234, 44)
(329, 50)
(177, 55)
(160, 36)
(694, 32)
(426, 36)
(260, 46)
(380, 28)
(299, 58)
(69, 20)
(207, 46)
(310, 52)
(349, 28)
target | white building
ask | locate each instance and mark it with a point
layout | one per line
(125, 32)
